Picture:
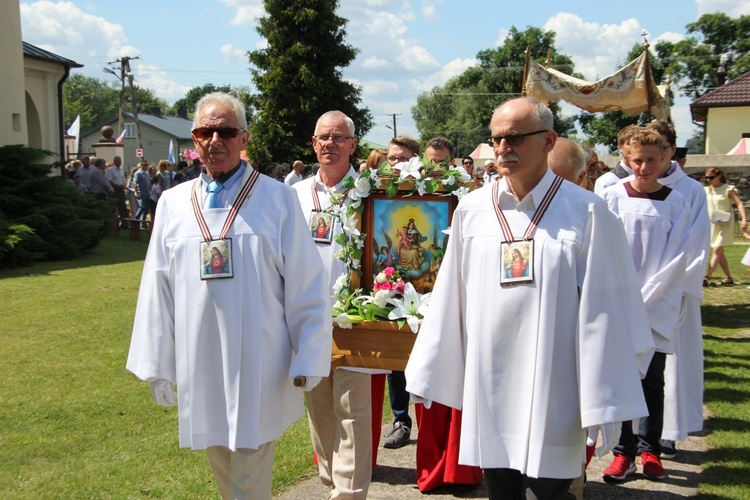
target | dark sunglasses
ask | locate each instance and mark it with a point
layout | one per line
(208, 132)
(468, 163)
(710, 177)
(513, 139)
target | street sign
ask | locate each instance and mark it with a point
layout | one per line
(139, 153)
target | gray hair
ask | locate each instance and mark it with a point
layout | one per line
(221, 98)
(542, 115)
(329, 115)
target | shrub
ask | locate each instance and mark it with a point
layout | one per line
(41, 216)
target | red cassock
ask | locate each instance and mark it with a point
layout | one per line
(437, 448)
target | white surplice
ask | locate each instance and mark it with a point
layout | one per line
(233, 346)
(657, 232)
(533, 365)
(683, 374)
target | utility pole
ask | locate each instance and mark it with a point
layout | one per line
(125, 62)
(394, 115)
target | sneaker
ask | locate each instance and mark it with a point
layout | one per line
(668, 449)
(619, 470)
(652, 467)
(398, 437)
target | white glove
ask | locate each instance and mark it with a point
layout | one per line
(610, 432)
(419, 399)
(163, 392)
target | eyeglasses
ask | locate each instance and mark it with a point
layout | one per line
(513, 139)
(208, 132)
(337, 139)
(397, 159)
(711, 177)
(468, 163)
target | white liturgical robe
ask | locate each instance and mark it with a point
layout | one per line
(233, 346)
(683, 373)
(657, 233)
(533, 365)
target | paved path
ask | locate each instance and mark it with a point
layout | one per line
(395, 478)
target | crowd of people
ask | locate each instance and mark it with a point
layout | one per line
(588, 339)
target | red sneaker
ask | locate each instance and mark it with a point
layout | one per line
(652, 467)
(619, 470)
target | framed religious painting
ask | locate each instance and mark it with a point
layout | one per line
(408, 235)
(321, 225)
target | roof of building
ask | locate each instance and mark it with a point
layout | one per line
(177, 127)
(36, 53)
(733, 94)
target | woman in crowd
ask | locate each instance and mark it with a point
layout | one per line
(720, 197)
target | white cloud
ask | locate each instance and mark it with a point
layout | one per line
(68, 31)
(157, 79)
(429, 9)
(668, 36)
(231, 53)
(501, 37)
(732, 8)
(453, 68)
(248, 11)
(596, 49)
(414, 57)
(375, 63)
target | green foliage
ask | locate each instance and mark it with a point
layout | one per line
(461, 109)
(299, 78)
(42, 217)
(193, 95)
(719, 41)
(96, 101)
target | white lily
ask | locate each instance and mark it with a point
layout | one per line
(463, 174)
(411, 307)
(343, 321)
(340, 283)
(380, 298)
(449, 181)
(461, 192)
(421, 188)
(410, 168)
(349, 225)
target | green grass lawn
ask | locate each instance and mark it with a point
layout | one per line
(75, 424)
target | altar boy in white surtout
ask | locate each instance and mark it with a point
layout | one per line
(233, 306)
(656, 219)
(534, 359)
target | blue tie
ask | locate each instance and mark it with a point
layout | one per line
(213, 188)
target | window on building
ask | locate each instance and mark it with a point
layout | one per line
(129, 131)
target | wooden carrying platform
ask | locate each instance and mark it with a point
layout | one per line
(373, 344)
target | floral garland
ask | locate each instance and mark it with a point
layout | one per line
(353, 305)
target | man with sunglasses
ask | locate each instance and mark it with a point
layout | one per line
(537, 359)
(233, 307)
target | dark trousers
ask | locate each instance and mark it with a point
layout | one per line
(118, 200)
(399, 398)
(649, 428)
(510, 484)
(143, 207)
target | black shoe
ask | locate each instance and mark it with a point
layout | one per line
(668, 449)
(398, 437)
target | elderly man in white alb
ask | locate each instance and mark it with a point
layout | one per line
(339, 408)
(233, 307)
(533, 358)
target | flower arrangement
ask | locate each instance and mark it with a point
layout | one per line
(392, 297)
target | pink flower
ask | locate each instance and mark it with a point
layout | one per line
(398, 287)
(382, 286)
(389, 271)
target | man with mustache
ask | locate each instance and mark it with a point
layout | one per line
(533, 361)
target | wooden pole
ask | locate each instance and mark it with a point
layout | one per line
(527, 54)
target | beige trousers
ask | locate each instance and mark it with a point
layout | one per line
(244, 474)
(340, 428)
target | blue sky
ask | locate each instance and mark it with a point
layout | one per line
(406, 47)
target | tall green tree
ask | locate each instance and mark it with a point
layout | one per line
(718, 40)
(193, 95)
(602, 128)
(461, 109)
(298, 76)
(96, 101)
